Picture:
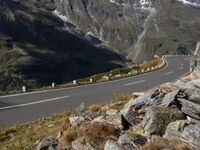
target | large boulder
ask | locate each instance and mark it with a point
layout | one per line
(189, 108)
(193, 95)
(169, 98)
(174, 129)
(143, 102)
(157, 118)
(186, 131)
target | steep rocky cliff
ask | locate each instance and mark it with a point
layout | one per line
(37, 49)
(138, 29)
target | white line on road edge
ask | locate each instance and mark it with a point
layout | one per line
(168, 73)
(128, 84)
(33, 103)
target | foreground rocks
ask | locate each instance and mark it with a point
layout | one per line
(164, 118)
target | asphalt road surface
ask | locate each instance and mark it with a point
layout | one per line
(15, 109)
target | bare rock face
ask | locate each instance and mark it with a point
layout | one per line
(157, 119)
(190, 108)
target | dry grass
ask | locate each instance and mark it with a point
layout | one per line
(121, 97)
(152, 63)
(161, 143)
(95, 108)
(99, 132)
(22, 136)
(96, 133)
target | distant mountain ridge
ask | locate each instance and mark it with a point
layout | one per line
(44, 41)
(124, 25)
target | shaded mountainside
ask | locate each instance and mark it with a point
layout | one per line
(35, 48)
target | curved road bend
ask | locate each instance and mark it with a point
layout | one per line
(25, 107)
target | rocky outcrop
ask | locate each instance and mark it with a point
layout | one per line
(156, 119)
(186, 131)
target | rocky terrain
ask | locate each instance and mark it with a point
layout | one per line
(166, 117)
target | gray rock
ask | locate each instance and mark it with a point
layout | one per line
(174, 129)
(195, 83)
(47, 143)
(111, 112)
(191, 134)
(141, 103)
(193, 95)
(186, 131)
(112, 145)
(156, 119)
(99, 119)
(169, 98)
(78, 143)
(128, 142)
(182, 85)
(80, 117)
(81, 144)
(190, 108)
(75, 119)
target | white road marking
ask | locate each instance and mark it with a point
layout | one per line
(137, 82)
(33, 103)
(181, 67)
(168, 73)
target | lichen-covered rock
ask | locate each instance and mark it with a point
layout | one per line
(190, 108)
(112, 145)
(185, 131)
(156, 119)
(128, 142)
(174, 129)
(191, 134)
(141, 103)
(79, 117)
(47, 143)
(193, 95)
(169, 98)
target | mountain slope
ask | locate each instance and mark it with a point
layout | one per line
(36, 49)
(138, 29)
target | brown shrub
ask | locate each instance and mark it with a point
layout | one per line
(100, 132)
(95, 108)
(65, 124)
(71, 134)
(159, 143)
(119, 97)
